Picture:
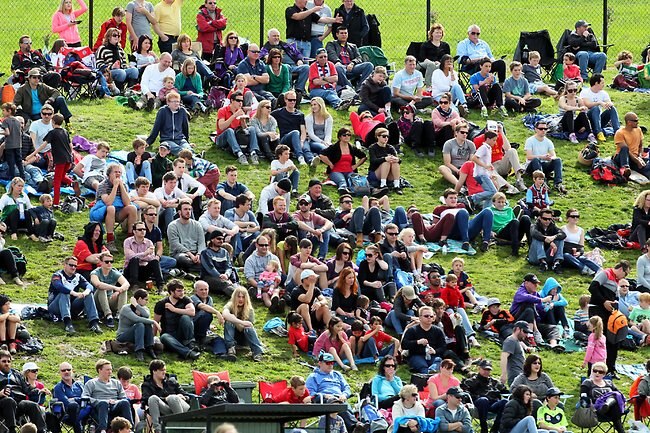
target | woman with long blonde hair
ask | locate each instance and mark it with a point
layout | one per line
(64, 22)
(266, 128)
(239, 323)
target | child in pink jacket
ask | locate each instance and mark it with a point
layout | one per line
(596, 351)
(64, 22)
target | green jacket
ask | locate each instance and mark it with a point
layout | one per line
(23, 97)
(180, 80)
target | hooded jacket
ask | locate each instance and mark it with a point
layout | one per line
(522, 297)
(446, 417)
(172, 126)
(207, 27)
(558, 300)
(333, 383)
(426, 425)
(169, 387)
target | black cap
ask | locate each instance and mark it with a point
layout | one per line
(523, 325)
(582, 23)
(455, 391)
(551, 392)
(285, 185)
(531, 278)
(216, 234)
(313, 182)
(485, 364)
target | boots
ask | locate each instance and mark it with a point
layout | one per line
(359, 240)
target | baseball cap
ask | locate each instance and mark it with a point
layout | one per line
(409, 293)
(304, 199)
(29, 366)
(582, 23)
(553, 391)
(165, 145)
(485, 364)
(313, 182)
(284, 185)
(325, 356)
(493, 301)
(531, 278)
(523, 325)
(34, 72)
(455, 391)
(306, 274)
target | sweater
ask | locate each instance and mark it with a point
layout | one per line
(370, 92)
(434, 336)
(129, 317)
(181, 79)
(446, 417)
(185, 237)
(309, 125)
(98, 391)
(523, 297)
(539, 386)
(60, 24)
(172, 126)
(377, 155)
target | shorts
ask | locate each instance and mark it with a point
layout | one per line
(88, 183)
(532, 87)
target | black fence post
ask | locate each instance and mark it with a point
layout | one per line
(261, 22)
(426, 31)
(605, 21)
(90, 23)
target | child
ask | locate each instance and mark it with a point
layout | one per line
(496, 323)
(9, 322)
(138, 162)
(296, 393)
(92, 168)
(450, 293)
(581, 316)
(29, 427)
(533, 73)
(407, 236)
(362, 345)
(132, 391)
(551, 416)
(336, 423)
(168, 87)
(485, 85)
(298, 338)
(506, 225)
(385, 343)
(269, 280)
(121, 425)
(596, 351)
(628, 72)
(465, 286)
(115, 22)
(537, 195)
(362, 313)
(517, 92)
(204, 171)
(571, 71)
(13, 140)
(160, 165)
(61, 149)
(484, 171)
(44, 221)
(552, 312)
(640, 318)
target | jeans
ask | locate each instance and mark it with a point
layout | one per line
(553, 166)
(202, 320)
(60, 106)
(465, 229)
(10, 410)
(242, 243)
(174, 403)
(539, 251)
(467, 325)
(328, 95)
(303, 76)
(312, 149)
(316, 43)
(303, 46)
(340, 179)
(64, 307)
(369, 349)
(105, 412)
(485, 406)
(484, 198)
(525, 425)
(139, 334)
(248, 336)
(358, 74)
(396, 323)
(228, 138)
(292, 139)
(177, 146)
(178, 340)
(420, 364)
(365, 223)
(580, 262)
(14, 162)
(319, 245)
(400, 218)
(33, 175)
(586, 58)
(167, 264)
(122, 75)
(203, 70)
(622, 159)
(600, 119)
(45, 228)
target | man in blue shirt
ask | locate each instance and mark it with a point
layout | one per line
(228, 191)
(472, 49)
(256, 76)
(68, 392)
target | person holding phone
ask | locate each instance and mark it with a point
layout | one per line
(65, 22)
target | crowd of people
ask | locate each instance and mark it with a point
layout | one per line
(181, 221)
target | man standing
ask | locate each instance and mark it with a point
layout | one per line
(65, 301)
(68, 392)
(186, 239)
(291, 123)
(174, 314)
(486, 394)
(230, 119)
(319, 31)
(152, 81)
(424, 342)
(629, 147)
(31, 96)
(141, 260)
(17, 398)
(354, 18)
(168, 16)
(350, 67)
(512, 352)
(601, 108)
(540, 154)
(299, 20)
(106, 396)
(584, 45)
(209, 23)
(256, 76)
(472, 50)
(26, 59)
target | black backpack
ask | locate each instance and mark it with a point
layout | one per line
(374, 34)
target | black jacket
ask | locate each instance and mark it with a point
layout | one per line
(513, 412)
(216, 395)
(578, 42)
(170, 386)
(434, 335)
(355, 21)
(20, 388)
(481, 386)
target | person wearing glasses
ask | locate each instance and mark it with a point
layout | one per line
(233, 130)
(583, 43)
(232, 55)
(546, 243)
(26, 59)
(574, 245)
(110, 288)
(323, 80)
(540, 155)
(471, 50)
(18, 397)
(574, 114)
(65, 22)
(210, 22)
(69, 295)
(141, 261)
(425, 342)
(45, 94)
(456, 152)
(254, 70)
(68, 393)
(408, 404)
(356, 222)
(629, 147)
(110, 55)
(597, 386)
(384, 163)
(291, 60)
(291, 123)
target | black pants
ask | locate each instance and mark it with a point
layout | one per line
(217, 285)
(445, 134)
(514, 231)
(14, 222)
(10, 410)
(529, 106)
(167, 46)
(571, 125)
(8, 263)
(492, 95)
(45, 228)
(421, 135)
(640, 234)
(135, 273)
(14, 162)
(498, 67)
(184, 262)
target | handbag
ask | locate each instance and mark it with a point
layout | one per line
(585, 417)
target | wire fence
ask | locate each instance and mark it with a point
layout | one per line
(617, 22)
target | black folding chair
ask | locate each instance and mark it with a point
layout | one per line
(539, 41)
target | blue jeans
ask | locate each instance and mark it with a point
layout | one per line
(358, 74)
(64, 307)
(33, 175)
(622, 159)
(165, 217)
(315, 45)
(540, 251)
(484, 199)
(203, 70)
(553, 166)
(485, 406)
(465, 229)
(228, 138)
(312, 149)
(581, 262)
(525, 425)
(467, 325)
(340, 179)
(400, 218)
(600, 119)
(596, 59)
(190, 101)
(167, 264)
(303, 46)
(369, 349)
(121, 75)
(420, 364)
(131, 174)
(321, 246)
(139, 334)
(365, 223)
(177, 146)
(294, 177)
(292, 139)
(178, 340)
(247, 336)
(328, 95)
(105, 412)
(303, 76)
(396, 323)
(202, 320)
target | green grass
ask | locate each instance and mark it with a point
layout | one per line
(494, 273)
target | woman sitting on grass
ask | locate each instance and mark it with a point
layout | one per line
(15, 206)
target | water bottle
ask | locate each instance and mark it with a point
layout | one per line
(427, 355)
(524, 54)
(444, 250)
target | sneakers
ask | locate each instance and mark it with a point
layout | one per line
(592, 138)
(398, 191)
(543, 266)
(111, 246)
(484, 112)
(557, 267)
(193, 354)
(312, 165)
(625, 172)
(344, 105)
(110, 322)
(301, 160)
(462, 110)
(572, 138)
(241, 159)
(70, 329)
(257, 357)
(58, 236)
(485, 246)
(95, 328)
(151, 104)
(254, 159)
(601, 137)
(465, 246)
(512, 190)
(560, 188)
(232, 352)
(139, 355)
(520, 185)
(503, 111)
(18, 281)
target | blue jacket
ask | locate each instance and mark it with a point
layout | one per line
(68, 394)
(427, 425)
(171, 126)
(333, 383)
(377, 385)
(63, 283)
(550, 284)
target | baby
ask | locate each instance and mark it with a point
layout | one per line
(269, 279)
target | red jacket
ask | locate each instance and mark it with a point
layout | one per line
(314, 72)
(111, 24)
(452, 297)
(209, 27)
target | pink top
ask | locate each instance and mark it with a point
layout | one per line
(133, 392)
(436, 379)
(596, 351)
(61, 21)
(325, 343)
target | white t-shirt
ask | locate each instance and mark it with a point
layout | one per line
(406, 83)
(41, 130)
(589, 95)
(539, 147)
(277, 165)
(484, 153)
(93, 166)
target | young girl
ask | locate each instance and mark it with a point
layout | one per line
(9, 322)
(30, 371)
(56, 57)
(595, 344)
(269, 280)
(335, 342)
(416, 251)
(465, 286)
(574, 113)
(298, 338)
(15, 206)
(417, 133)
(571, 70)
(362, 313)
(145, 56)
(188, 81)
(250, 102)
(168, 87)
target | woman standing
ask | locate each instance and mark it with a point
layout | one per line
(373, 274)
(344, 298)
(189, 85)
(517, 414)
(574, 113)
(445, 80)
(64, 22)
(319, 125)
(342, 160)
(15, 206)
(335, 341)
(239, 326)
(136, 326)
(432, 51)
(279, 75)
(266, 128)
(386, 385)
(110, 56)
(574, 245)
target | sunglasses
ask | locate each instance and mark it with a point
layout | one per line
(546, 218)
(542, 129)
(415, 395)
(634, 120)
(233, 37)
(571, 90)
(389, 366)
(391, 233)
(427, 316)
(108, 261)
(262, 245)
(46, 113)
(370, 255)
(475, 33)
(304, 203)
(574, 216)
(63, 370)
(444, 102)
(598, 371)
(238, 100)
(346, 201)
(291, 100)
(329, 362)
(71, 265)
(33, 371)
(347, 134)
(463, 132)
(255, 51)
(347, 253)
(384, 135)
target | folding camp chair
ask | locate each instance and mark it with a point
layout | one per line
(539, 41)
(270, 390)
(639, 403)
(377, 57)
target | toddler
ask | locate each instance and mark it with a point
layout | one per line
(298, 338)
(533, 73)
(168, 87)
(465, 286)
(44, 221)
(269, 279)
(640, 318)
(362, 313)
(12, 132)
(571, 70)
(581, 316)
(596, 351)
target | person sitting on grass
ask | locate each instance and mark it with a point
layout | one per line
(453, 415)
(408, 404)
(174, 315)
(15, 207)
(137, 326)
(424, 341)
(455, 152)
(335, 341)
(110, 288)
(239, 326)
(496, 322)
(533, 74)
(419, 134)
(517, 92)
(506, 226)
(9, 322)
(298, 338)
(546, 243)
(640, 318)
(602, 111)
(172, 124)
(487, 89)
(540, 154)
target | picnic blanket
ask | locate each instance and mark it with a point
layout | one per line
(453, 247)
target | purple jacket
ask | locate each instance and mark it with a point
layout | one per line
(523, 297)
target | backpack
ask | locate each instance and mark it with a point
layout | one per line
(30, 346)
(604, 170)
(216, 97)
(374, 55)
(369, 415)
(359, 184)
(588, 154)
(73, 204)
(374, 34)
(617, 327)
